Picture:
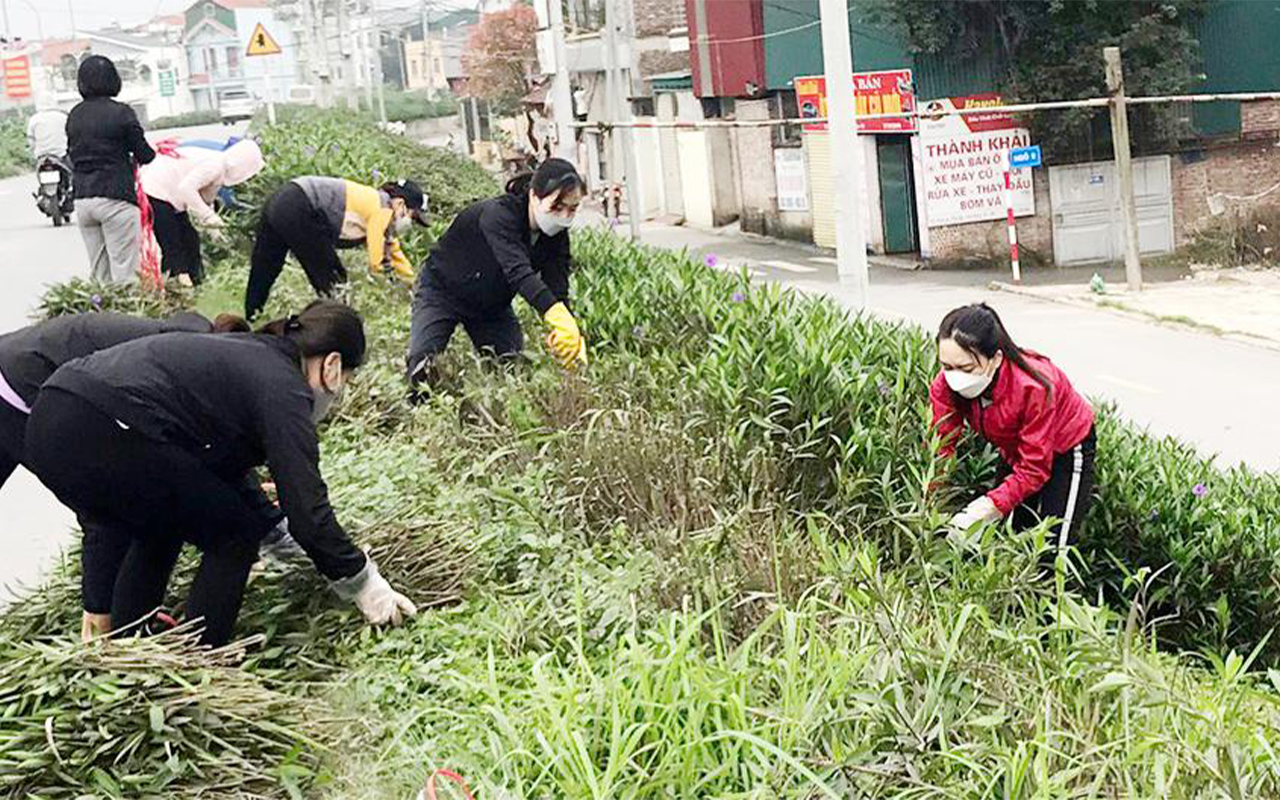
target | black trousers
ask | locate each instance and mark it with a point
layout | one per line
(435, 316)
(1067, 495)
(100, 552)
(179, 241)
(150, 497)
(290, 223)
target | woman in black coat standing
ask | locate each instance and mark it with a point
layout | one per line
(104, 143)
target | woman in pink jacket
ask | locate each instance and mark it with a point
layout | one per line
(182, 185)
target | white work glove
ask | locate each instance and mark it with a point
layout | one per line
(380, 604)
(279, 546)
(980, 510)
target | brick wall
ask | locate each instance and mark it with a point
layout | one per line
(1243, 169)
(656, 62)
(1259, 117)
(656, 17)
(990, 240)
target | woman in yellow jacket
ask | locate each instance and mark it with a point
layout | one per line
(313, 216)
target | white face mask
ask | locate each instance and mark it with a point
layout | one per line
(551, 224)
(403, 225)
(966, 384)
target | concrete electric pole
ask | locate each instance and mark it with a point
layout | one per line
(846, 155)
(1124, 166)
(623, 151)
(561, 91)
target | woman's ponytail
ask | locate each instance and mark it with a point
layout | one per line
(323, 327)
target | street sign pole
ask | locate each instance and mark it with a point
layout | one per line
(262, 43)
(1017, 158)
(1013, 227)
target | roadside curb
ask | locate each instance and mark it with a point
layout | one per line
(1232, 336)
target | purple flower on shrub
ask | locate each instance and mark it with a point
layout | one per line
(637, 332)
(1200, 490)
(97, 301)
(738, 297)
(885, 390)
(711, 260)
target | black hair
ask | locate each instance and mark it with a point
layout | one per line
(230, 323)
(97, 77)
(323, 327)
(551, 176)
(978, 330)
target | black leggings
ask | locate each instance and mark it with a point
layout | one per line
(435, 317)
(179, 241)
(100, 552)
(151, 498)
(291, 224)
(1067, 495)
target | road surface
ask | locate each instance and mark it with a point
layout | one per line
(34, 254)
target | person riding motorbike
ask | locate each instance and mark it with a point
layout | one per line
(47, 138)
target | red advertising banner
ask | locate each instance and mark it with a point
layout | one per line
(887, 92)
(17, 77)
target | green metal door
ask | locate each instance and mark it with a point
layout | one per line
(897, 194)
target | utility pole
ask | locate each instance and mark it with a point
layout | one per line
(846, 157)
(344, 54)
(4, 4)
(561, 93)
(1124, 166)
(623, 149)
(71, 11)
(428, 68)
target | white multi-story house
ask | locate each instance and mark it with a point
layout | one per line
(153, 71)
(216, 36)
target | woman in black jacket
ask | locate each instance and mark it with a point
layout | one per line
(495, 249)
(154, 437)
(28, 357)
(104, 143)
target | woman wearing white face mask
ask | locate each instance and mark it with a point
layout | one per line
(155, 438)
(495, 249)
(312, 217)
(1025, 406)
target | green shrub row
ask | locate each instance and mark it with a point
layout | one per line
(844, 399)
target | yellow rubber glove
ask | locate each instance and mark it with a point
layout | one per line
(565, 340)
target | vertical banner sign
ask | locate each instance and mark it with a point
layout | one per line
(167, 84)
(17, 77)
(793, 183)
(964, 162)
(888, 92)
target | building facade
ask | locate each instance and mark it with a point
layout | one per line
(216, 36)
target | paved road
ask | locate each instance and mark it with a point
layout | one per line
(34, 254)
(1218, 394)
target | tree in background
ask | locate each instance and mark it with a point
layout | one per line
(500, 57)
(1052, 50)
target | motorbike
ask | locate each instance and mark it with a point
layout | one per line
(53, 197)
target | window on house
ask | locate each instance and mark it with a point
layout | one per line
(417, 68)
(642, 106)
(233, 57)
(211, 59)
(782, 105)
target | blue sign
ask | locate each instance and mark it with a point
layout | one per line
(1024, 157)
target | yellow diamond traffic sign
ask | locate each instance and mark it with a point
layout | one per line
(261, 43)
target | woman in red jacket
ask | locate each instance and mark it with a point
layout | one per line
(1025, 406)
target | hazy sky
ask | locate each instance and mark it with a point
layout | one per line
(26, 17)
